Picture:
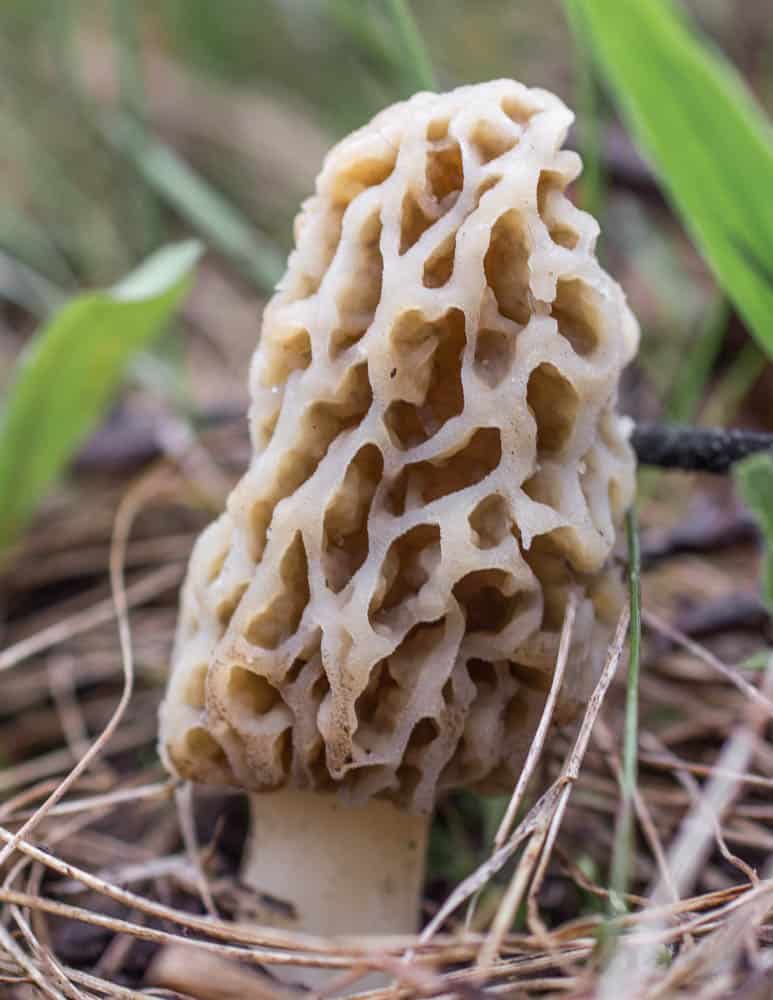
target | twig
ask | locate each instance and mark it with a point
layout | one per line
(534, 861)
(159, 791)
(56, 974)
(674, 763)
(606, 742)
(25, 962)
(515, 891)
(696, 449)
(187, 823)
(133, 503)
(691, 847)
(731, 675)
(267, 938)
(536, 925)
(129, 737)
(258, 956)
(61, 684)
(485, 872)
(538, 741)
(547, 715)
(549, 801)
(693, 790)
(143, 590)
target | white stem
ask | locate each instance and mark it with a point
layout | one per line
(344, 869)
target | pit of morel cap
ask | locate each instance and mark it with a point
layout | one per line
(437, 461)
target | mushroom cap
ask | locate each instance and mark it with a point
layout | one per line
(437, 462)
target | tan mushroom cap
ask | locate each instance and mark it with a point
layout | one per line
(437, 461)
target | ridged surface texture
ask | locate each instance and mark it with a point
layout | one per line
(437, 461)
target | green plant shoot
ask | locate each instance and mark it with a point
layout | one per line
(65, 379)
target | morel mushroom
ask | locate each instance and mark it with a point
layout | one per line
(437, 462)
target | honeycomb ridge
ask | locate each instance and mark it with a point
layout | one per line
(437, 462)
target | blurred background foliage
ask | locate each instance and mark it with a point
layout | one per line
(127, 124)
(323, 65)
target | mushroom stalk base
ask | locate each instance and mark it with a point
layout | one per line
(343, 869)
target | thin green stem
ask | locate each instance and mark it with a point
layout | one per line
(623, 845)
(416, 64)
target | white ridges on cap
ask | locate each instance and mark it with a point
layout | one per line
(437, 460)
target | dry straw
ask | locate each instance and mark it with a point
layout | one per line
(716, 938)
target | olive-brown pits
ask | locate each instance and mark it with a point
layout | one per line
(437, 462)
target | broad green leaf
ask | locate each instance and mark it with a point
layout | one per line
(754, 476)
(710, 144)
(67, 376)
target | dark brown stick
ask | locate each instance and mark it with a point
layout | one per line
(696, 449)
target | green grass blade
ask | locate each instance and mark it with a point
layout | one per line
(67, 376)
(707, 139)
(417, 67)
(127, 40)
(592, 181)
(128, 43)
(356, 19)
(96, 243)
(754, 477)
(737, 381)
(622, 852)
(691, 376)
(205, 208)
(22, 285)
(23, 238)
